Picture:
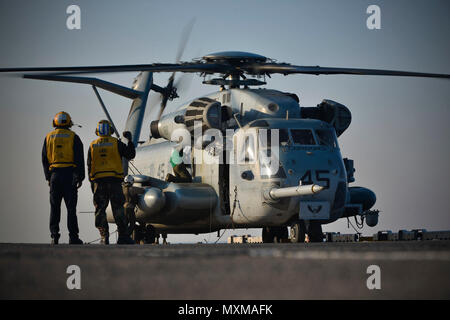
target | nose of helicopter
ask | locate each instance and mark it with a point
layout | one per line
(324, 168)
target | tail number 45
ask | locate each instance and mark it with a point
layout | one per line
(307, 178)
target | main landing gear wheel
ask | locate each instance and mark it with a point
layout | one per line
(274, 234)
(300, 228)
(315, 233)
(298, 231)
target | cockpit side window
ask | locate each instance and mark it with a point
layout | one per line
(326, 137)
(265, 137)
(303, 136)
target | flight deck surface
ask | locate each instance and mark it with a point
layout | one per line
(408, 270)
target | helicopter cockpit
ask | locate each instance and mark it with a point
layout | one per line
(285, 153)
(265, 142)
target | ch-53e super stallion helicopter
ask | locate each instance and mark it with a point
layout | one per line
(304, 185)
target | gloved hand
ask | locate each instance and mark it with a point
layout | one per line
(127, 135)
(76, 181)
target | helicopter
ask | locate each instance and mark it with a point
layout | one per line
(257, 158)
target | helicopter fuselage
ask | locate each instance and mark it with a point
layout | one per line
(229, 193)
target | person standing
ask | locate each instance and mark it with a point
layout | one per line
(106, 174)
(63, 163)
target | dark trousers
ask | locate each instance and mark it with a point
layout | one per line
(105, 192)
(181, 174)
(62, 185)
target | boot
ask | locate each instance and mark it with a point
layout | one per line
(104, 234)
(55, 239)
(104, 240)
(125, 240)
(75, 241)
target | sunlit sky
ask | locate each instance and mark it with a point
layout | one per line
(398, 137)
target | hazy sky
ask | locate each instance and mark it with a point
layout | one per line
(398, 137)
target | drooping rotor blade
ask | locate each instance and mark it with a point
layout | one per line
(156, 67)
(316, 70)
(109, 86)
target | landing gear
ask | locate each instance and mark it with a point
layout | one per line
(150, 234)
(300, 228)
(144, 234)
(274, 234)
(315, 233)
(164, 236)
(298, 231)
(138, 234)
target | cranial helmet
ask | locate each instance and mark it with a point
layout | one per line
(62, 119)
(104, 128)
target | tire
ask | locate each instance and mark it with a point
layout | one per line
(267, 235)
(298, 231)
(315, 233)
(281, 234)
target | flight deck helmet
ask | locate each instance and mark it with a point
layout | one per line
(104, 128)
(62, 120)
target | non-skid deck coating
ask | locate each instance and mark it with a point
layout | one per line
(409, 270)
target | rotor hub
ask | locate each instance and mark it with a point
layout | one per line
(234, 57)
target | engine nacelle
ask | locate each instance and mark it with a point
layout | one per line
(151, 202)
(330, 111)
(204, 110)
(176, 202)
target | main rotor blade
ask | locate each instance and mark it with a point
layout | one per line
(184, 39)
(291, 69)
(156, 67)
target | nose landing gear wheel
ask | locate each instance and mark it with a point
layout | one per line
(298, 231)
(300, 228)
(315, 233)
(274, 234)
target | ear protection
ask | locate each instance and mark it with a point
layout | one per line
(104, 129)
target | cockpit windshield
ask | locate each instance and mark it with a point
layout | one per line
(303, 136)
(326, 137)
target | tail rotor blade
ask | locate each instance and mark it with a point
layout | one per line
(170, 91)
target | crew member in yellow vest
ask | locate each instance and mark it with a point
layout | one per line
(63, 162)
(106, 174)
